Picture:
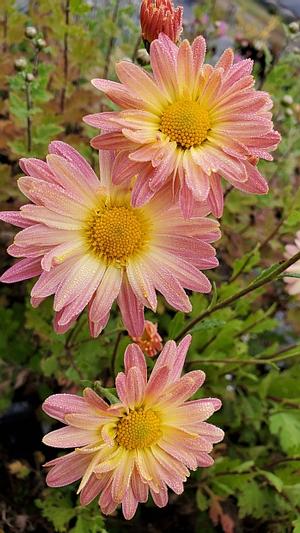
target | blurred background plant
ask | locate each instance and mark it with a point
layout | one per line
(248, 348)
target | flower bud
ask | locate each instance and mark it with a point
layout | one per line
(30, 32)
(150, 341)
(294, 27)
(20, 63)
(143, 57)
(41, 43)
(29, 77)
(287, 99)
(160, 16)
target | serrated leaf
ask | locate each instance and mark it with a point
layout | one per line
(273, 479)
(202, 500)
(286, 426)
(106, 392)
(251, 500)
(176, 325)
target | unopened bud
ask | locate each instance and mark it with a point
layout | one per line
(150, 341)
(30, 32)
(41, 43)
(143, 57)
(20, 63)
(294, 27)
(160, 16)
(29, 77)
(289, 112)
(287, 99)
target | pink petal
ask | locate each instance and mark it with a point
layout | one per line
(106, 293)
(135, 385)
(121, 476)
(74, 157)
(24, 269)
(140, 83)
(215, 196)
(112, 141)
(129, 504)
(124, 169)
(37, 169)
(140, 489)
(157, 383)
(85, 271)
(117, 93)
(93, 487)
(67, 469)
(15, 218)
(134, 357)
(58, 405)
(132, 310)
(180, 391)
(161, 498)
(141, 284)
(69, 437)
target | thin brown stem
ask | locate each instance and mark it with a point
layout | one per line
(252, 361)
(5, 31)
(29, 120)
(135, 50)
(65, 55)
(252, 287)
(111, 41)
(69, 352)
(115, 351)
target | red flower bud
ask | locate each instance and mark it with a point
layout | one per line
(160, 16)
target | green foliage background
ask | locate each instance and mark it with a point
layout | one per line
(249, 350)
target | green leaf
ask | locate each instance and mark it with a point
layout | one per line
(251, 501)
(202, 500)
(176, 325)
(265, 273)
(286, 426)
(57, 508)
(296, 525)
(106, 392)
(209, 324)
(247, 262)
(273, 480)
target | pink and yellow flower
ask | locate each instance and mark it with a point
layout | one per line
(293, 284)
(89, 246)
(149, 440)
(150, 342)
(188, 125)
(160, 16)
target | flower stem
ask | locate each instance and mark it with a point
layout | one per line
(111, 41)
(252, 361)
(29, 121)
(65, 55)
(252, 287)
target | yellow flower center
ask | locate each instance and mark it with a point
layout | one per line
(116, 232)
(138, 429)
(185, 122)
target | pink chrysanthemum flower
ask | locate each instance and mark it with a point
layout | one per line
(150, 440)
(188, 124)
(150, 342)
(89, 246)
(293, 284)
(160, 16)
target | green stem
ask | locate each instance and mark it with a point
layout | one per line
(29, 121)
(252, 287)
(252, 361)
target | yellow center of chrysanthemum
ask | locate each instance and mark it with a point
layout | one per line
(185, 122)
(117, 232)
(138, 429)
